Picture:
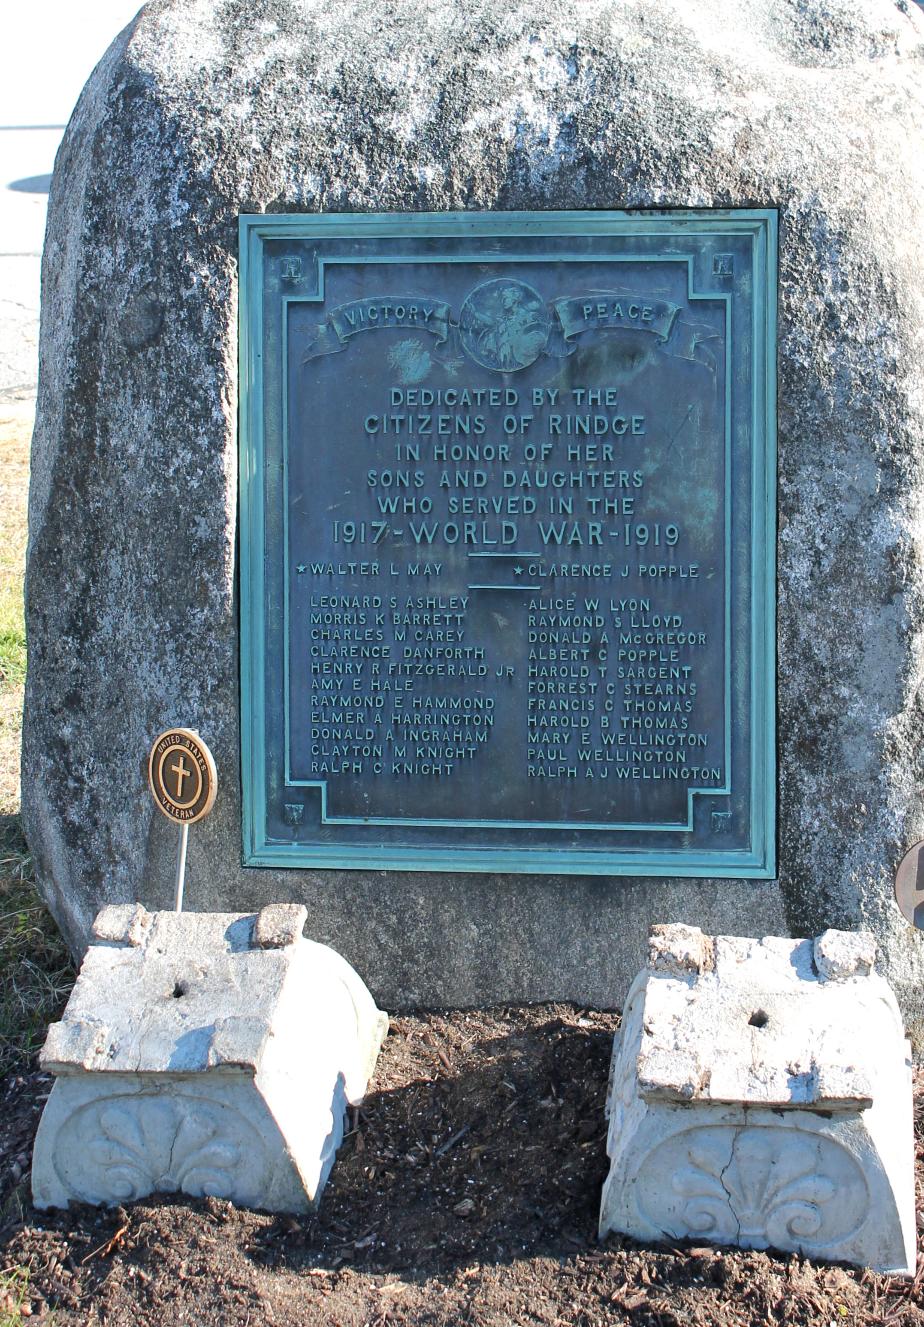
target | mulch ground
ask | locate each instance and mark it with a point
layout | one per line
(465, 1193)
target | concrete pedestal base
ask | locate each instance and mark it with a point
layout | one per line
(760, 1095)
(203, 1053)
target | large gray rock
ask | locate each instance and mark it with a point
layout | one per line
(201, 111)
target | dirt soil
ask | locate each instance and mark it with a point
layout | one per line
(465, 1193)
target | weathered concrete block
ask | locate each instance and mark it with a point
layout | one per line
(760, 1095)
(205, 1053)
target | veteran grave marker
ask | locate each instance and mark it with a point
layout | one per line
(184, 783)
(909, 885)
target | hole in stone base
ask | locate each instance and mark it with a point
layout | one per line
(180, 989)
(758, 1019)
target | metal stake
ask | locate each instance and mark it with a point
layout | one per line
(180, 869)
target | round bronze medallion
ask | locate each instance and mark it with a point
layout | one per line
(909, 885)
(504, 325)
(182, 776)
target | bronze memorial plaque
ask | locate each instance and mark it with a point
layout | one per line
(508, 542)
(182, 777)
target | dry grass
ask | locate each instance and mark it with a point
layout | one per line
(35, 970)
(35, 967)
(15, 433)
(14, 1286)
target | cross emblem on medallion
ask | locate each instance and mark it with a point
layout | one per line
(182, 773)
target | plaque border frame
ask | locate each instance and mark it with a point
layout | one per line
(431, 822)
(758, 862)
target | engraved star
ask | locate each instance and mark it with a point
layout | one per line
(301, 569)
(518, 571)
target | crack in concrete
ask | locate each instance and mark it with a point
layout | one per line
(168, 1173)
(736, 1130)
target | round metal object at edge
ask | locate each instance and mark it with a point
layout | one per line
(182, 776)
(909, 885)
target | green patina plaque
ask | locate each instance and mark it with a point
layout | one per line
(507, 542)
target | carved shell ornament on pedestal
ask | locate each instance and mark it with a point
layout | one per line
(143, 1144)
(758, 1186)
